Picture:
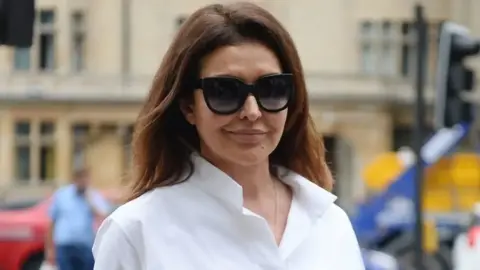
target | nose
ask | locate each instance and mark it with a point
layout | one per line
(250, 109)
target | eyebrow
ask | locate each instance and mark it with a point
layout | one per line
(227, 75)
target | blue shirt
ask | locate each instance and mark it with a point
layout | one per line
(72, 216)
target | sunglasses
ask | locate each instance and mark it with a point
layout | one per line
(227, 95)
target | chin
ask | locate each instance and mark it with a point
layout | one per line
(246, 158)
(241, 154)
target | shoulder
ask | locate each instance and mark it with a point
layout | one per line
(114, 247)
(65, 189)
(159, 207)
(340, 227)
(336, 219)
(122, 231)
(96, 194)
(337, 222)
(136, 210)
(133, 223)
(62, 192)
(338, 216)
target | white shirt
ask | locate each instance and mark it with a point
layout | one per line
(201, 224)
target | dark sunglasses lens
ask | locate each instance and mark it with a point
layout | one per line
(223, 95)
(274, 92)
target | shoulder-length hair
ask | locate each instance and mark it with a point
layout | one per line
(163, 139)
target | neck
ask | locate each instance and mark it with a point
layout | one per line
(254, 179)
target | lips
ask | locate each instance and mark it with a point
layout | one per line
(247, 132)
(247, 136)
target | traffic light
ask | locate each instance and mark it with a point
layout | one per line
(453, 77)
(16, 22)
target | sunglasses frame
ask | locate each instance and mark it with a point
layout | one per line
(246, 90)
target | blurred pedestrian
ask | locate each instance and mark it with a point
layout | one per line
(73, 211)
(231, 172)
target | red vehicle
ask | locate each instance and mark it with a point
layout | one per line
(22, 236)
(23, 227)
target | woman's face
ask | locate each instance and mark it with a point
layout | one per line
(248, 136)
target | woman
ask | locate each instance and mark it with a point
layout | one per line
(231, 173)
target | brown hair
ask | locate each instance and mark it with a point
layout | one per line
(163, 137)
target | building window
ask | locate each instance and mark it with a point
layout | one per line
(23, 151)
(388, 48)
(43, 47)
(80, 140)
(369, 58)
(78, 41)
(409, 50)
(34, 151)
(46, 40)
(46, 151)
(21, 59)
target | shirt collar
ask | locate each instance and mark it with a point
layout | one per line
(215, 182)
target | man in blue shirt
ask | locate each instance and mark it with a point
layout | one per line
(73, 212)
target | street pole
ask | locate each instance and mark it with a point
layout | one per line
(418, 132)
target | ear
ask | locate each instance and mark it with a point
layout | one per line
(186, 106)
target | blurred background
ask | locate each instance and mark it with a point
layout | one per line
(74, 95)
(71, 99)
